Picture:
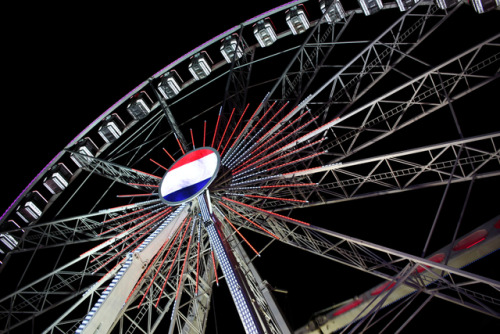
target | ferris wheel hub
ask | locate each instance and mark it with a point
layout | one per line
(189, 176)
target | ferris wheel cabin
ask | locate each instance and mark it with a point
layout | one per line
(85, 149)
(170, 85)
(230, 49)
(32, 208)
(482, 6)
(58, 178)
(332, 10)
(370, 7)
(200, 66)
(112, 128)
(264, 32)
(296, 18)
(140, 106)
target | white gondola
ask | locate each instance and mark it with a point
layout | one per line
(483, 6)
(140, 106)
(370, 7)
(11, 232)
(170, 84)
(405, 5)
(332, 9)
(444, 4)
(58, 179)
(264, 32)
(230, 48)
(32, 208)
(7, 242)
(111, 128)
(200, 66)
(297, 20)
(86, 149)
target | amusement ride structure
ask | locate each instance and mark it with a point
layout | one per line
(265, 147)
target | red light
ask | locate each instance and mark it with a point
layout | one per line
(267, 212)
(204, 131)
(241, 236)
(497, 224)
(178, 142)
(471, 240)
(237, 124)
(348, 307)
(161, 264)
(215, 268)
(247, 123)
(289, 185)
(171, 157)
(260, 119)
(384, 287)
(173, 262)
(156, 163)
(143, 185)
(215, 132)
(248, 220)
(225, 130)
(475, 243)
(183, 266)
(438, 258)
(277, 198)
(192, 138)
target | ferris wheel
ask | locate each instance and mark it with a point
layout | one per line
(306, 144)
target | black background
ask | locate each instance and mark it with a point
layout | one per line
(64, 66)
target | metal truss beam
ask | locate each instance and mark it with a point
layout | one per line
(108, 309)
(170, 119)
(400, 107)
(415, 99)
(239, 77)
(376, 60)
(394, 110)
(51, 291)
(397, 291)
(141, 138)
(77, 229)
(397, 172)
(274, 318)
(188, 306)
(383, 55)
(66, 282)
(384, 262)
(118, 173)
(311, 58)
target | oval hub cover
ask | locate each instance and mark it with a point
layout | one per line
(190, 175)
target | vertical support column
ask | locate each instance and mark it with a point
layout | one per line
(264, 292)
(236, 284)
(170, 119)
(114, 299)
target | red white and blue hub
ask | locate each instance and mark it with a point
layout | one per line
(189, 176)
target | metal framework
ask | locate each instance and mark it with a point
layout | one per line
(328, 127)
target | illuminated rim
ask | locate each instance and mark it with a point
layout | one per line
(189, 176)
